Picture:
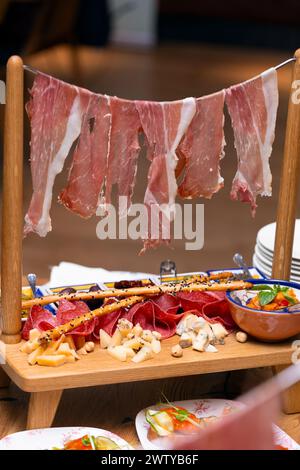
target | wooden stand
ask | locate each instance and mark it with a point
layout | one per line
(12, 207)
(286, 212)
(46, 384)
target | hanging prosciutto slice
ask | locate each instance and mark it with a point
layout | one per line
(124, 151)
(201, 149)
(164, 124)
(55, 111)
(86, 177)
(252, 106)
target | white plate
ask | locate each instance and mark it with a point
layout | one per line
(267, 271)
(47, 439)
(201, 409)
(268, 254)
(263, 259)
(266, 237)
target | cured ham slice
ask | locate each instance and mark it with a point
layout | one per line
(124, 151)
(202, 148)
(87, 174)
(164, 125)
(252, 106)
(55, 111)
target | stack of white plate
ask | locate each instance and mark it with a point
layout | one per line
(264, 251)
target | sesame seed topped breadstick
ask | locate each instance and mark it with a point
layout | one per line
(149, 290)
(60, 330)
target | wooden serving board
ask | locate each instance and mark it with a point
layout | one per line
(98, 368)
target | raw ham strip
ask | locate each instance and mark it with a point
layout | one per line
(55, 111)
(164, 125)
(124, 151)
(202, 147)
(86, 177)
(252, 106)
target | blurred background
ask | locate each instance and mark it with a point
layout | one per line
(156, 50)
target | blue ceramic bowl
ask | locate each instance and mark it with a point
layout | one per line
(261, 324)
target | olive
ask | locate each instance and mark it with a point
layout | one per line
(127, 284)
(94, 303)
(67, 291)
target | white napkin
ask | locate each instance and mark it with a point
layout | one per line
(71, 274)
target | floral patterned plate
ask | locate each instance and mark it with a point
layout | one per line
(202, 409)
(47, 439)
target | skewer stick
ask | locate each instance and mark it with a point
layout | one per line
(12, 208)
(57, 332)
(289, 185)
(145, 291)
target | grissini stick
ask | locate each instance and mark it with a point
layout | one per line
(149, 290)
(60, 330)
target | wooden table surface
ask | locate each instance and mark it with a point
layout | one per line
(114, 407)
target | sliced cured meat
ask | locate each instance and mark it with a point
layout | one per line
(55, 111)
(151, 317)
(68, 310)
(87, 174)
(168, 303)
(39, 318)
(252, 106)
(202, 148)
(164, 125)
(109, 322)
(124, 151)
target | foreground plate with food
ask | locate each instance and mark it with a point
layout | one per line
(154, 426)
(70, 438)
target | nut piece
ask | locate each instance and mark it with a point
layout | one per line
(177, 351)
(241, 337)
(89, 346)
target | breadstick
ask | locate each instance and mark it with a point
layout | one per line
(145, 291)
(58, 331)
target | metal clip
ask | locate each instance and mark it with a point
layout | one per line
(167, 267)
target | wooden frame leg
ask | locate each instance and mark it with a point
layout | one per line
(4, 379)
(290, 398)
(42, 409)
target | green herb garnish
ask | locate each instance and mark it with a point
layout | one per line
(267, 293)
(86, 441)
(266, 296)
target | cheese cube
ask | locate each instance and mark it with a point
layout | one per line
(52, 361)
